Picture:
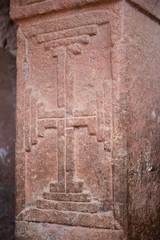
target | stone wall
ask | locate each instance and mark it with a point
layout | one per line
(7, 120)
(143, 89)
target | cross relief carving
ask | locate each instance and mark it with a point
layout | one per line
(68, 195)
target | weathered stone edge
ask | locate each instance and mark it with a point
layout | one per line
(18, 11)
(146, 9)
(41, 231)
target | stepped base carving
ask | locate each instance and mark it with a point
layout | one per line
(102, 220)
(69, 208)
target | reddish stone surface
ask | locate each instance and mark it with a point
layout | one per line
(151, 8)
(144, 124)
(29, 8)
(80, 115)
(41, 231)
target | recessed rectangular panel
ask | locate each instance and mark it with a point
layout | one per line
(68, 112)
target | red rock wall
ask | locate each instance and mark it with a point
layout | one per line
(7, 121)
(143, 89)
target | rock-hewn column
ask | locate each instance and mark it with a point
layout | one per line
(73, 124)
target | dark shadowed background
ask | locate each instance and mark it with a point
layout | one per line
(7, 120)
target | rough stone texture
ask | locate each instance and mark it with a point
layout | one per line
(143, 54)
(29, 8)
(7, 121)
(41, 231)
(147, 6)
(84, 135)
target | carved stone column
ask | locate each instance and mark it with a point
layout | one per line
(68, 55)
(72, 119)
